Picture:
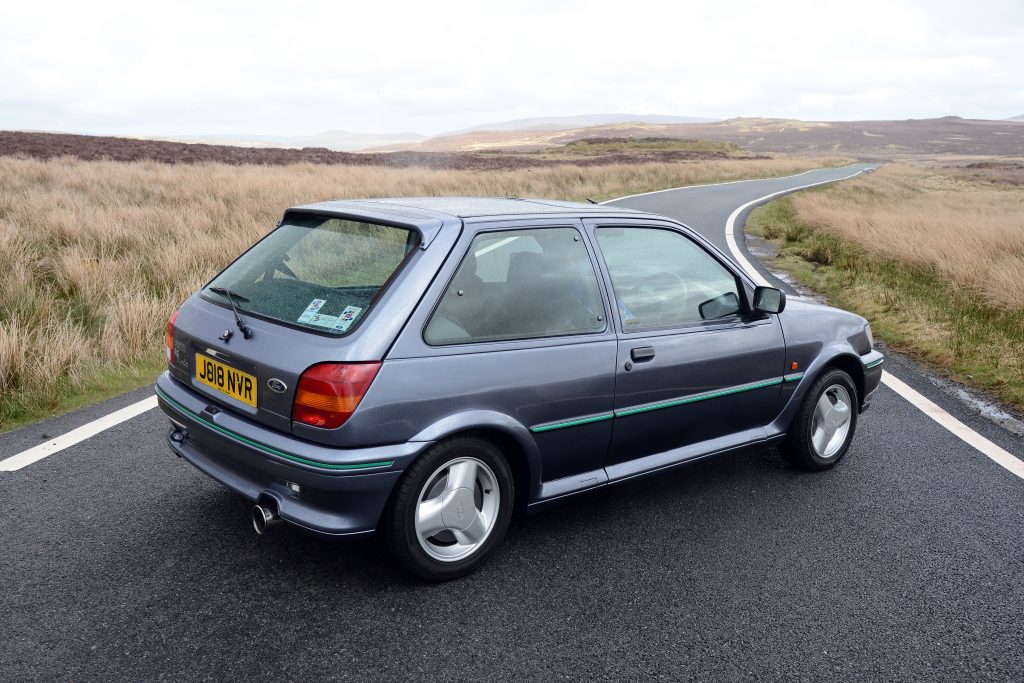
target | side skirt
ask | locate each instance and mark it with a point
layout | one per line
(561, 489)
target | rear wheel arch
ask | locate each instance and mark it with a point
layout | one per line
(515, 456)
(514, 441)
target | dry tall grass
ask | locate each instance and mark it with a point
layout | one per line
(929, 217)
(95, 255)
(931, 254)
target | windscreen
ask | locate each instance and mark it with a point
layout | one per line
(313, 271)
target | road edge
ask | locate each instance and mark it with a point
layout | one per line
(990, 449)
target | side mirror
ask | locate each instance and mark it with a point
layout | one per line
(769, 300)
(720, 306)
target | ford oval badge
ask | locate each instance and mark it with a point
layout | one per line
(277, 385)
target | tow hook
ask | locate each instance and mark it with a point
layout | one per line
(177, 437)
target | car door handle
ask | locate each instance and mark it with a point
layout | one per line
(642, 354)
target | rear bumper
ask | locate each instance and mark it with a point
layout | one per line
(341, 492)
(872, 362)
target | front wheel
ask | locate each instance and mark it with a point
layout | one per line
(823, 428)
(451, 509)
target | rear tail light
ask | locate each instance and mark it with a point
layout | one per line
(328, 393)
(169, 337)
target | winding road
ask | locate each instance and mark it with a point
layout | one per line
(117, 561)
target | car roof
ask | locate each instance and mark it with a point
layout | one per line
(461, 207)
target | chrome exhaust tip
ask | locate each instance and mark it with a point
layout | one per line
(263, 518)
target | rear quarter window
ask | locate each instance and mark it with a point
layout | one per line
(520, 284)
(316, 272)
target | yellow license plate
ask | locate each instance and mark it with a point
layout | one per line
(225, 379)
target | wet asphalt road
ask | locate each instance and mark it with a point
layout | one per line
(118, 561)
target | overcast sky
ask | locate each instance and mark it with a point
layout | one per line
(292, 68)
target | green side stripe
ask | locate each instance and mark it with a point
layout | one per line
(874, 363)
(668, 404)
(699, 397)
(263, 447)
(572, 423)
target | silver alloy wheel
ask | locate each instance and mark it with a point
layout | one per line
(457, 509)
(830, 424)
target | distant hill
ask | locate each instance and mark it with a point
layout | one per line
(580, 121)
(864, 139)
(97, 147)
(348, 141)
(595, 151)
(948, 135)
(334, 140)
(1016, 118)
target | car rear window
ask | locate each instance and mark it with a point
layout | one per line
(313, 271)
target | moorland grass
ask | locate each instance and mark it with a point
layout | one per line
(94, 255)
(931, 255)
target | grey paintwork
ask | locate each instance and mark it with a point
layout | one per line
(727, 383)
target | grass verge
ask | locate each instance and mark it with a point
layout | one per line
(935, 309)
(101, 384)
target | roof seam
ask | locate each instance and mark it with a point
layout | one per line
(468, 207)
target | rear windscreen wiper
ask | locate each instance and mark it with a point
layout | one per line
(231, 296)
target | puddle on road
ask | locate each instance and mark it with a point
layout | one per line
(978, 403)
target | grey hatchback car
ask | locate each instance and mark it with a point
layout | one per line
(423, 367)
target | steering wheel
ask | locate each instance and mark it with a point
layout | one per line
(655, 283)
(282, 267)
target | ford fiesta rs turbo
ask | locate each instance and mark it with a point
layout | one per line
(421, 368)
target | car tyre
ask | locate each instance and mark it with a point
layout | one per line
(450, 509)
(824, 426)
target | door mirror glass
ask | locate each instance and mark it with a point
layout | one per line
(769, 300)
(720, 306)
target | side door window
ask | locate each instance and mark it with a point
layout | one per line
(520, 284)
(663, 279)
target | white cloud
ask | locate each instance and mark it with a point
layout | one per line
(302, 67)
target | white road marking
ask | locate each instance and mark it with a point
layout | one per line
(688, 187)
(998, 455)
(730, 226)
(37, 453)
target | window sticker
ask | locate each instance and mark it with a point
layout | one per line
(347, 317)
(311, 310)
(323, 320)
